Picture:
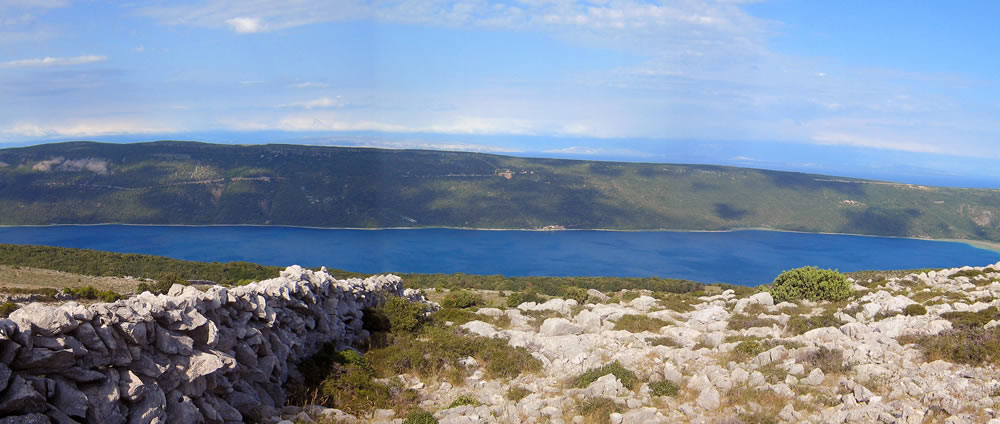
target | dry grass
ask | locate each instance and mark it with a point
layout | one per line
(35, 278)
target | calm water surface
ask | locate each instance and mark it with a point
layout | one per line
(739, 257)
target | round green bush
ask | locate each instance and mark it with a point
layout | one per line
(915, 309)
(810, 283)
(420, 417)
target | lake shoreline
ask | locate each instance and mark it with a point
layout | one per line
(979, 244)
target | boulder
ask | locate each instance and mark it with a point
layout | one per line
(709, 398)
(43, 320)
(815, 378)
(559, 327)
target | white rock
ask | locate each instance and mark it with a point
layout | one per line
(708, 398)
(558, 327)
(815, 378)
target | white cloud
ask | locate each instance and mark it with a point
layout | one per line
(322, 102)
(310, 84)
(45, 4)
(246, 25)
(52, 61)
(84, 128)
(139, 49)
(597, 151)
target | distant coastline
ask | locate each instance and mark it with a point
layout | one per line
(979, 244)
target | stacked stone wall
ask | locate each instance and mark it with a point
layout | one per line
(212, 356)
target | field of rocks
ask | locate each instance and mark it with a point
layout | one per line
(918, 348)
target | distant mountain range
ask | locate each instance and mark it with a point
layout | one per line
(173, 182)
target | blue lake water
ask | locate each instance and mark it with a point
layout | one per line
(739, 257)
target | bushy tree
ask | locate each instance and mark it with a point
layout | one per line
(810, 283)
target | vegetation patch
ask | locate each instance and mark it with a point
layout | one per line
(395, 314)
(663, 388)
(464, 400)
(972, 320)
(800, 324)
(462, 299)
(831, 361)
(914, 309)
(516, 393)
(576, 293)
(90, 293)
(676, 302)
(810, 283)
(663, 341)
(745, 321)
(419, 416)
(7, 308)
(597, 410)
(965, 345)
(639, 323)
(615, 368)
(518, 298)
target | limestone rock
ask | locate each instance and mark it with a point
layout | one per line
(559, 327)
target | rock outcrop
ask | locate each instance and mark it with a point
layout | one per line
(216, 356)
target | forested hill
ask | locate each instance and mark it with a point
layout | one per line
(171, 182)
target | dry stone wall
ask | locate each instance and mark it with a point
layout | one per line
(190, 356)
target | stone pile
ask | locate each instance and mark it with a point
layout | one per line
(216, 356)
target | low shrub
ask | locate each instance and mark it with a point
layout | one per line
(518, 298)
(464, 400)
(91, 293)
(396, 314)
(810, 283)
(800, 324)
(749, 348)
(915, 309)
(744, 321)
(352, 388)
(576, 293)
(663, 341)
(597, 410)
(967, 345)
(516, 393)
(615, 368)
(454, 315)
(639, 323)
(7, 307)
(420, 416)
(437, 350)
(676, 302)
(970, 320)
(831, 361)
(462, 300)
(663, 388)
(629, 295)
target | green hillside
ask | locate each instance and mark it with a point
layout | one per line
(173, 182)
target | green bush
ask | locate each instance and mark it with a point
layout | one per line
(750, 348)
(576, 293)
(517, 298)
(664, 388)
(6, 308)
(462, 300)
(915, 309)
(91, 293)
(420, 417)
(353, 389)
(966, 345)
(627, 377)
(455, 316)
(396, 314)
(810, 283)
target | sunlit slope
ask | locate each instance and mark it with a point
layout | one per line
(195, 183)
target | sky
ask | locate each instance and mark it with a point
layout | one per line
(900, 90)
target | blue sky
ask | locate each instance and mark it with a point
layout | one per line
(897, 90)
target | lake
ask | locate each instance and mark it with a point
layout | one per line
(738, 257)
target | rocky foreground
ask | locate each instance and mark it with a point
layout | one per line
(737, 360)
